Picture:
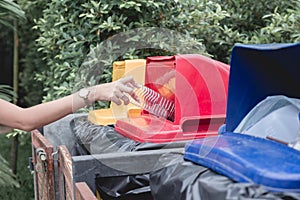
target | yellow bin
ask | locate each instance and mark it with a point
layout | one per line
(134, 68)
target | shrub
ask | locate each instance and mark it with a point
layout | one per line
(31, 62)
(250, 22)
(68, 31)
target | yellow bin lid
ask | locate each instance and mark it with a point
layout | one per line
(134, 68)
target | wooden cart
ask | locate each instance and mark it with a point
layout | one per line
(58, 175)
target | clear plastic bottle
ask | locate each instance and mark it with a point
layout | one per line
(153, 102)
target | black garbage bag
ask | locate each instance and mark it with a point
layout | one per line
(134, 187)
(184, 180)
(102, 139)
(97, 139)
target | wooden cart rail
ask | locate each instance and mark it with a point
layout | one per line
(44, 173)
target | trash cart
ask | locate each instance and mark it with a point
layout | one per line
(73, 155)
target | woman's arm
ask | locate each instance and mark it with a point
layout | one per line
(37, 116)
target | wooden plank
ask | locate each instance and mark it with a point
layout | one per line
(83, 192)
(66, 184)
(44, 170)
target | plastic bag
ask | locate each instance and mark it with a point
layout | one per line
(183, 180)
(104, 139)
(276, 117)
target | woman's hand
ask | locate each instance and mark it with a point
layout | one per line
(121, 89)
(118, 91)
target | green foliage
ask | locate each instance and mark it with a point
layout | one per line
(281, 27)
(9, 183)
(220, 24)
(24, 176)
(31, 63)
(204, 20)
(7, 179)
(7, 93)
(253, 22)
(16, 132)
(10, 11)
(68, 31)
(71, 29)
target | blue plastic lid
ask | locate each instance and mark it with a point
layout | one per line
(245, 158)
(259, 71)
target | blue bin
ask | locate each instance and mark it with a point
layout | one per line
(257, 71)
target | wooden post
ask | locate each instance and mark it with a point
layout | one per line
(65, 172)
(44, 170)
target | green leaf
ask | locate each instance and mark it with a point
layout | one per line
(7, 93)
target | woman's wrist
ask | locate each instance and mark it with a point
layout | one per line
(97, 93)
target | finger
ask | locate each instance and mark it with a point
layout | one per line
(134, 93)
(126, 79)
(125, 99)
(116, 100)
(118, 94)
(131, 92)
(134, 85)
(130, 82)
(126, 89)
